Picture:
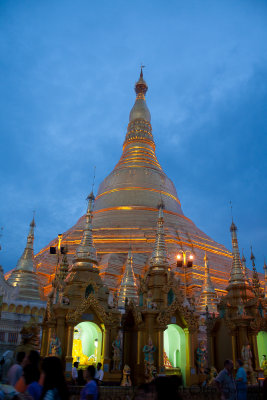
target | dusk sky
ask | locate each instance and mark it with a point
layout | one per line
(67, 78)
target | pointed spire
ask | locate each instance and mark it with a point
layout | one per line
(159, 257)
(208, 296)
(255, 277)
(140, 109)
(128, 287)
(86, 250)
(25, 262)
(265, 279)
(24, 275)
(141, 86)
(245, 269)
(237, 276)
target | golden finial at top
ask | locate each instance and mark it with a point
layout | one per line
(141, 86)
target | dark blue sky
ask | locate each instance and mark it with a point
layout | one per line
(67, 74)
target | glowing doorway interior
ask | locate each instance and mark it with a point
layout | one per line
(174, 347)
(262, 345)
(87, 343)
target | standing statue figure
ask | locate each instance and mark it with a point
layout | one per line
(30, 336)
(126, 376)
(55, 346)
(148, 351)
(201, 357)
(117, 352)
(246, 354)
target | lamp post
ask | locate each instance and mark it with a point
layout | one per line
(185, 260)
(58, 249)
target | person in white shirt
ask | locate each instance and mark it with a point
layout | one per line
(99, 373)
(74, 372)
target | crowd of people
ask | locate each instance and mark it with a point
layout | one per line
(33, 379)
(36, 380)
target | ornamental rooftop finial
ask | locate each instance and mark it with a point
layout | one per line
(255, 277)
(243, 259)
(159, 256)
(128, 287)
(140, 110)
(237, 276)
(208, 296)
(86, 250)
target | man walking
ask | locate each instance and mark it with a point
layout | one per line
(225, 381)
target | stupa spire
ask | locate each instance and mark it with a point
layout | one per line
(255, 277)
(245, 269)
(139, 145)
(86, 250)
(128, 287)
(159, 257)
(26, 260)
(140, 110)
(208, 296)
(237, 276)
(24, 275)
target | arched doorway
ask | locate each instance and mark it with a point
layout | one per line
(262, 345)
(87, 343)
(174, 347)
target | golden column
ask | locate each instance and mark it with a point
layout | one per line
(107, 345)
(255, 351)
(160, 350)
(68, 358)
(45, 341)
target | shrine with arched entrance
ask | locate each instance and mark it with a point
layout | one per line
(174, 347)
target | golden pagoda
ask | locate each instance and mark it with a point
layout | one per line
(21, 302)
(125, 212)
(151, 324)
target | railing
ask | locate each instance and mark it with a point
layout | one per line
(105, 392)
(187, 393)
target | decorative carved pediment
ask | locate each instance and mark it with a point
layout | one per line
(90, 303)
(191, 319)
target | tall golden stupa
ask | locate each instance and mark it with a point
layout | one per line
(126, 212)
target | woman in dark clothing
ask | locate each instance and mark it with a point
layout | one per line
(53, 380)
